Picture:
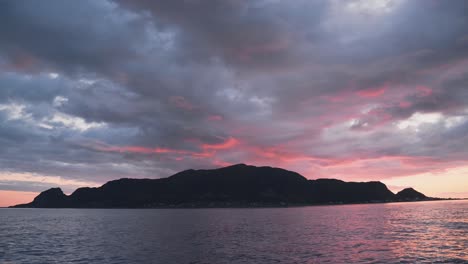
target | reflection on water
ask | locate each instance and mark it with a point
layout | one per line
(424, 232)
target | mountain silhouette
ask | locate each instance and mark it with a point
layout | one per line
(410, 194)
(53, 197)
(234, 186)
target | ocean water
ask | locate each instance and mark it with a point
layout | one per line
(422, 232)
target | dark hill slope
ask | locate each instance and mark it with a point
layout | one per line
(410, 194)
(331, 190)
(238, 185)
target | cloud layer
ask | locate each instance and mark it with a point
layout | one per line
(359, 90)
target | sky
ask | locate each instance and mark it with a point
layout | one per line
(92, 91)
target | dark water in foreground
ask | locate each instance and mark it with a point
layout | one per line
(424, 232)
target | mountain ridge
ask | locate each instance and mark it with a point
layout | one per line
(238, 185)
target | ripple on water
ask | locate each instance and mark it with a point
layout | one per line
(426, 232)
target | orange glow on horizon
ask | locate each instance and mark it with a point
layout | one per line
(9, 198)
(450, 183)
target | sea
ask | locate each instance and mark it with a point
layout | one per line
(416, 232)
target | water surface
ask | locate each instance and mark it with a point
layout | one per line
(422, 232)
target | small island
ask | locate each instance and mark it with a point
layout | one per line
(233, 186)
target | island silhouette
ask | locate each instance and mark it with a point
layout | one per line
(233, 186)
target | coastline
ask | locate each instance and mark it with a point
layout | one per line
(250, 206)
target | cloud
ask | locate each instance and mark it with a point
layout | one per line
(68, 35)
(97, 90)
(260, 34)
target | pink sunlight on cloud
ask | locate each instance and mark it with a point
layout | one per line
(215, 118)
(229, 143)
(372, 92)
(206, 149)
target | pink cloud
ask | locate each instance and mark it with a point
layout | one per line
(215, 118)
(229, 143)
(424, 91)
(221, 163)
(138, 149)
(372, 92)
(404, 104)
(207, 150)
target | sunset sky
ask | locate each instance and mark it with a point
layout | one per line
(92, 91)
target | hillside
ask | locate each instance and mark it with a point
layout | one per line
(234, 186)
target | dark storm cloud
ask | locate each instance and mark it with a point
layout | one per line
(254, 34)
(12, 133)
(18, 87)
(96, 90)
(68, 35)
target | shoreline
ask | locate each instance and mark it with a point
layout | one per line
(252, 206)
